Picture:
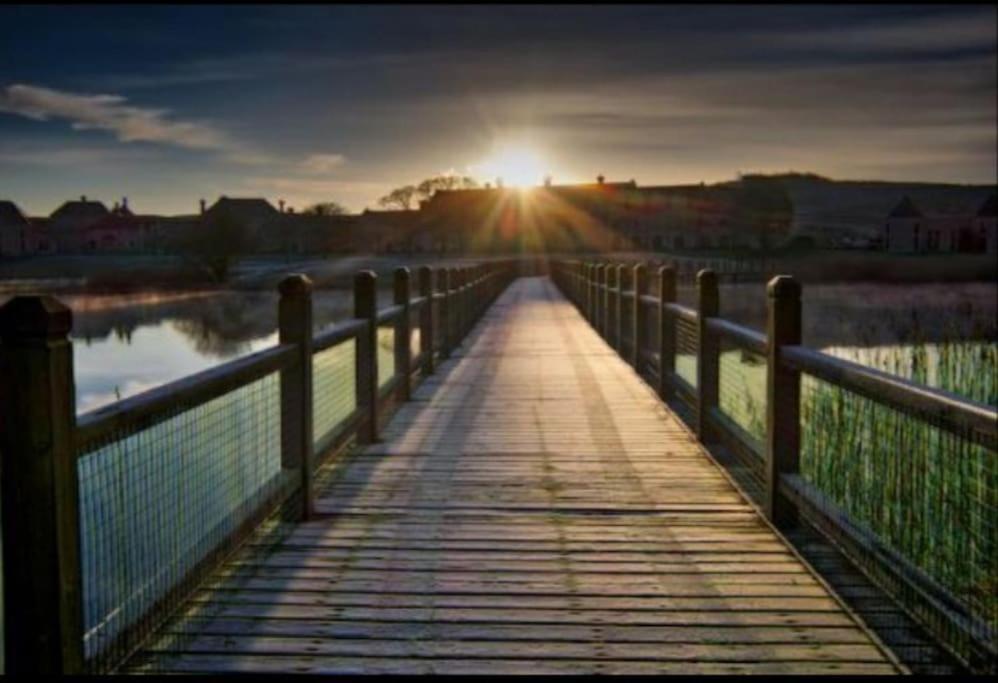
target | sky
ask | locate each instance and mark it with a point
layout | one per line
(170, 104)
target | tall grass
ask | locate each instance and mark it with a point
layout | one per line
(929, 494)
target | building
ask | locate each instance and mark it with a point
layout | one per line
(119, 230)
(986, 224)
(68, 224)
(749, 213)
(14, 228)
(909, 230)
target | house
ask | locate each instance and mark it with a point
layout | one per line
(986, 224)
(909, 230)
(749, 213)
(119, 230)
(308, 233)
(393, 231)
(67, 225)
(14, 228)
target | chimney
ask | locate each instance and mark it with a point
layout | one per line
(280, 205)
(600, 179)
(83, 197)
(202, 206)
(124, 203)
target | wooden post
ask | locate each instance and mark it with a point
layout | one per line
(610, 324)
(294, 326)
(465, 302)
(443, 285)
(623, 283)
(42, 580)
(403, 335)
(599, 300)
(666, 331)
(365, 306)
(783, 328)
(708, 352)
(590, 298)
(455, 308)
(640, 319)
(426, 319)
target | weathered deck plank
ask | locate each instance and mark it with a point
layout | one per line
(534, 509)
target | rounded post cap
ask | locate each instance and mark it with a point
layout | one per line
(402, 272)
(706, 276)
(783, 286)
(35, 317)
(295, 283)
(364, 277)
(666, 270)
(640, 269)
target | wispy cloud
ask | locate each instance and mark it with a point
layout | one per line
(322, 163)
(111, 113)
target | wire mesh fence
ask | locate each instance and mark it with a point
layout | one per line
(742, 391)
(686, 350)
(386, 354)
(334, 389)
(155, 504)
(626, 327)
(414, 337)
(438, 328)
(927, 493)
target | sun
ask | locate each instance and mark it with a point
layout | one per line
(515, 166)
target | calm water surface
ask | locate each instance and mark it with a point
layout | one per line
(126, 344)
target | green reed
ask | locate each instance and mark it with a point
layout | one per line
(930, 495)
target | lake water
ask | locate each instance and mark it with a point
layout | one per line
(126, 344)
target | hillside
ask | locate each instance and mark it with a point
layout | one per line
(831, 209)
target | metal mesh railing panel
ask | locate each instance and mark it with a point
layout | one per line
(386, 354)
(742, 390)
(154, 505)
(334, 388)
(926, 493)
(414, 338)
(438, 341)
(626, 326)
(686, 351)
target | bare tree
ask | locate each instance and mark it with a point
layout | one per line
(399, 198)
(216, 243)
(406, 196)
(326, 209)
(445, 182)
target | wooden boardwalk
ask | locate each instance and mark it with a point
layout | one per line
(534, 509)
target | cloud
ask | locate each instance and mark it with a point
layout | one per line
(110, 113)
(322, 163)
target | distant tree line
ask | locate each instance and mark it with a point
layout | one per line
(409, 196)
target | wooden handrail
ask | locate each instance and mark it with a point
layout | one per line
(957, 414)
(135, 413)
(786, 492)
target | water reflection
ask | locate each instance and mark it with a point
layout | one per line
(124, 345)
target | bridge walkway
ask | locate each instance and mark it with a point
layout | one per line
(534, 509)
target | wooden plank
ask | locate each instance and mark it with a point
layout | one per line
(518, 632)
(222, 664)
(534, 510)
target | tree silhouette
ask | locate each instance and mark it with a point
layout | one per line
(326, 209)
(404, 197)
(215, 243)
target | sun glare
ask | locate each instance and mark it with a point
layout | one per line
(514, 166)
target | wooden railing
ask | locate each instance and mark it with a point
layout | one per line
(88, 502)
(642, 326)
